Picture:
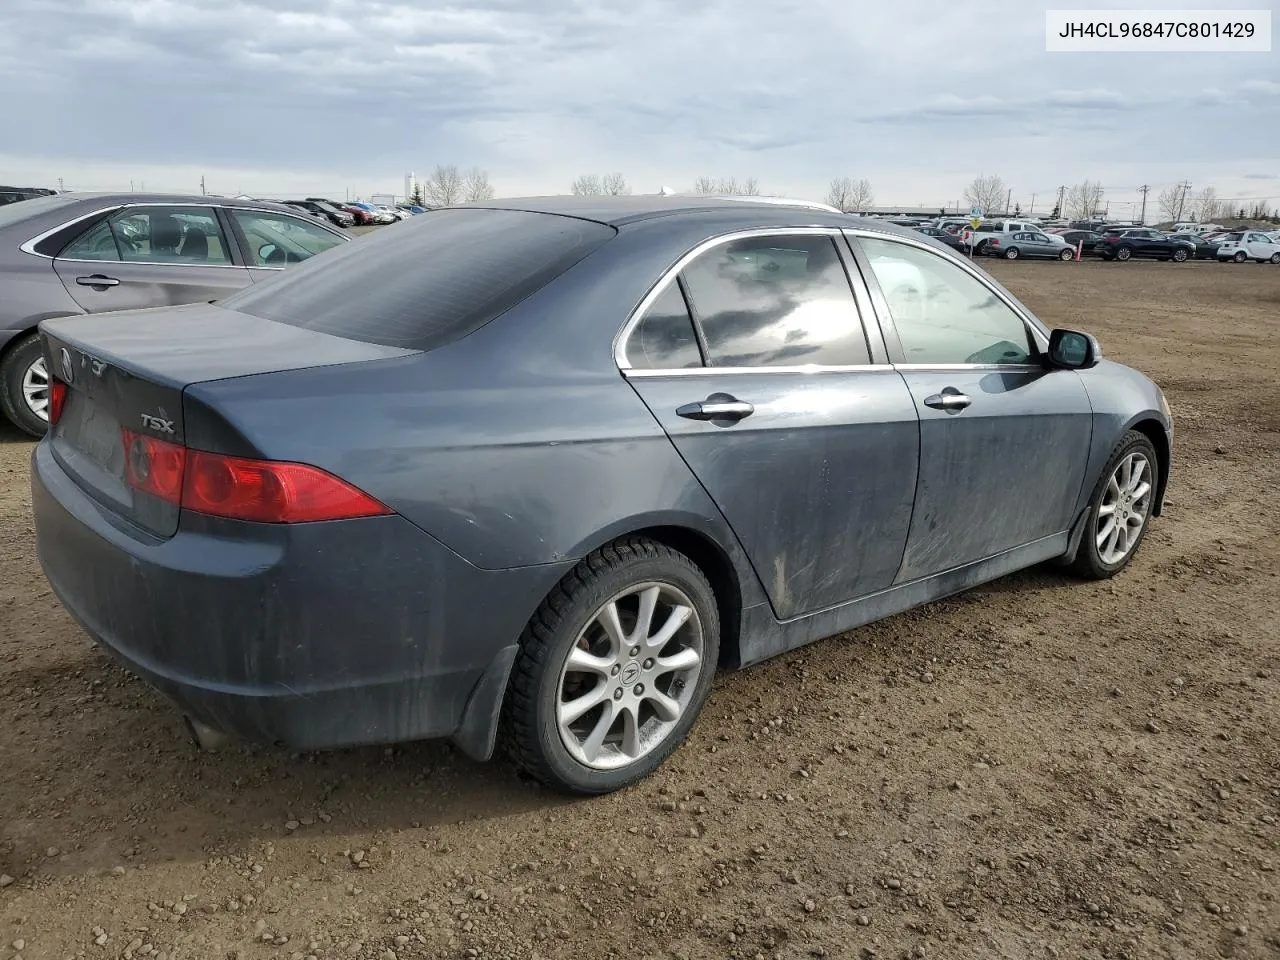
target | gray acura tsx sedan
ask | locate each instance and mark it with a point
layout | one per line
(530, 471)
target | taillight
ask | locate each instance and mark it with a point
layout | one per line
(57, 399)
(260, 491)
(154, 466)
(265, 491)
(993, 242)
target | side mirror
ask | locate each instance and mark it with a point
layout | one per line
(1073, 350)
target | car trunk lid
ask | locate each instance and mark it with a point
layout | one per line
(124, 376)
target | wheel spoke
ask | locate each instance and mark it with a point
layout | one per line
(1136, 519)
(1126, 471)
(609, 619)
(664, 706)
(1106, 532)
(1140, 491)
(644, 616)
(1113, 539)
(683, 660)
(1106, 510)
(675, 620)
(1113, 489)
(584, 662)
(573, 710)
(595, 740)
(630, 733)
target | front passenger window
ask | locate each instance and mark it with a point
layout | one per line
(943, 314)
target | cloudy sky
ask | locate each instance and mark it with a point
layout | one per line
(290, 97)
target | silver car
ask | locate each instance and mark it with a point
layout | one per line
(73, 254)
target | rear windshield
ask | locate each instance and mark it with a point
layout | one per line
(36, 206)
(428, 281)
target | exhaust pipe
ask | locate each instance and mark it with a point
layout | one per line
(205, 737)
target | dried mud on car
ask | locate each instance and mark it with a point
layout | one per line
(1037, 768)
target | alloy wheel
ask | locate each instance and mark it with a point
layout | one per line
(35, 388)
(1125, 507)
(630, 676)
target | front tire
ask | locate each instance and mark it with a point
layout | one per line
(613, 669)
(24, 386)
(1275, 258)
(1120, 509)
(1179, 256)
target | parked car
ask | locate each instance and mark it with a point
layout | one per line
(374, 215)
(1205, 248)
(305, 514)
(1037, 245)
(16, 194)
(1126, 243)
(943, 236)
(78, 253)
(980, 237)
(324, 210)
(1245, 245)
(1087, 239)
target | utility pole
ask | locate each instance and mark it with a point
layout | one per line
(1032, 209)
(1142, 220)
(1008, 200)
(202, 193)
(60, 187)
(1182, 197)
(1062, 192)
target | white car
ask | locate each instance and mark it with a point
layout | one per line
(1245, 245)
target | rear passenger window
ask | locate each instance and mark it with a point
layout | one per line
(664, 337)
(97, 244)
(776, 301)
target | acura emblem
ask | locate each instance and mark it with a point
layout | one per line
(68, 371)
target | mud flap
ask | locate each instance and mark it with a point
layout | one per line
(1073, 542)
(478, 731)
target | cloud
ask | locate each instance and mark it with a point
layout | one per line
(1262, 176)
(295, 96)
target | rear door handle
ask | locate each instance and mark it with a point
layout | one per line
(947, 401)
(716, 410)
(98, 280)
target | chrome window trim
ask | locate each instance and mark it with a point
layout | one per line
(744, 371)
(29, 246)
(952, 367)
(1031, 321)
(620, 339)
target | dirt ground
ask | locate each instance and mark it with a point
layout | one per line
(1039, 768)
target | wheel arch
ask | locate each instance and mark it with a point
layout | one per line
(1155, 431)
(715, 552)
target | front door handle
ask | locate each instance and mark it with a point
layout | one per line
(716, 409)
(952, 400)
(98, 280)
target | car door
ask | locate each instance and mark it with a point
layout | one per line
(1038, 245)
(270, 241)
(754, 358)
(150, 255)
(1003, 440)
(1259, 246)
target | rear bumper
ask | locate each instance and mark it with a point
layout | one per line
(313, 635)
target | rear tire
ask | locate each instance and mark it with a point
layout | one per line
(1123, 254)
(1067, 255)
(1011, 253)
(641, 704)
(1240, 256)
(19, 375)
(1100, 560)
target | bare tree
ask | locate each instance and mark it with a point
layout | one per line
(476, 186)
(615, 185)
(849, 195)
(727, 186)
(1084, 200)
(988, 192)
(1172, 200)
(587, 185)
(444, 187)
(1209, 206)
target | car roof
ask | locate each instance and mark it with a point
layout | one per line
(617, 211)
(106, 198)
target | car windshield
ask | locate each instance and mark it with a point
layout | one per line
(37, 206)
